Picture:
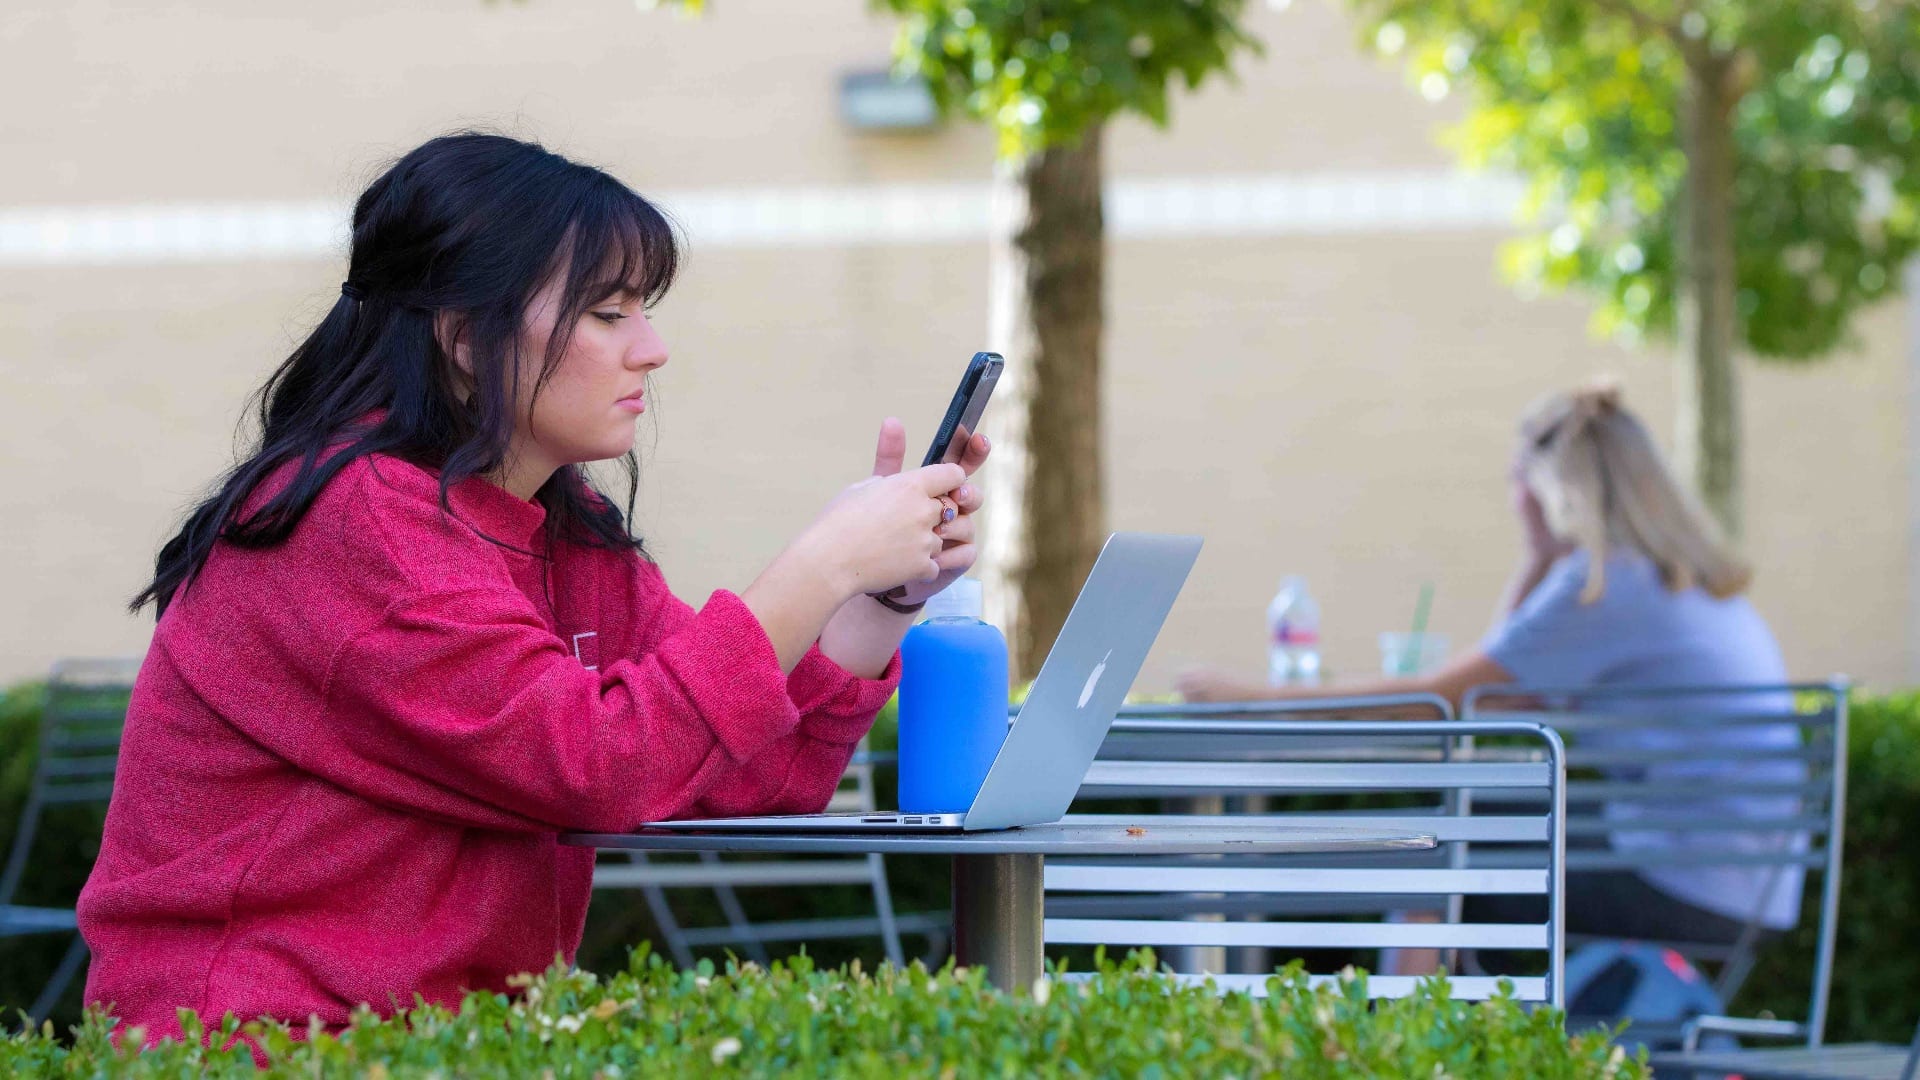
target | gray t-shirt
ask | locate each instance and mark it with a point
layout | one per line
(1641, 634)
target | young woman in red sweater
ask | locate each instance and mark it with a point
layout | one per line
(405, 643)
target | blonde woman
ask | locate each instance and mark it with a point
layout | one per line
(1624, 582)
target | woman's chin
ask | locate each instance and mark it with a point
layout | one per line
(606, 450)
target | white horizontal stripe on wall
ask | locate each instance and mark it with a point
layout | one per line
(1311, 204)
(1270, 205)
(183, 232)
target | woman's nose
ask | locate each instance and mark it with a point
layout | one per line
(648, 350)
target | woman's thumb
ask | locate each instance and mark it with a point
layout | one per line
(891, 452)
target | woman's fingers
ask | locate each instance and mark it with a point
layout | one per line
(967, 498)
(958, 531)
(937, 480)
(957, 558)
(928, 513)
(975, 455)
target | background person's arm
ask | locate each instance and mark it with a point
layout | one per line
(1451, 681)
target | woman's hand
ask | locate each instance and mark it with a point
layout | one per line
(958, 549)
(876, 535)
(881, 532)
(1542, 545)
(862, 636)
(1211, 684)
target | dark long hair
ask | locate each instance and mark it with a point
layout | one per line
(470, 225)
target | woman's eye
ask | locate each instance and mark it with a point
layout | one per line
(609, 317)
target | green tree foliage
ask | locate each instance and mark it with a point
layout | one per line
(1581, 97)
(1733, 172)
(1045, 72)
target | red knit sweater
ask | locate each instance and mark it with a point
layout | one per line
(348, 757)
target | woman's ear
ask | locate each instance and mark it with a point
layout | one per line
(450, 332)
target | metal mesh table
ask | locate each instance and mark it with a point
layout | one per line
(997, 901)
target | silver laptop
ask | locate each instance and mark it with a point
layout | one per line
(1066, 715)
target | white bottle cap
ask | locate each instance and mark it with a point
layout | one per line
(963, 599)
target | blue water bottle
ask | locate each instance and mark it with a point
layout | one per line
(953, 702)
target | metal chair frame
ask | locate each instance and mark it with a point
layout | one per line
(1828, 1061)
(1820, 819)
(78, 752)
(1248, 755)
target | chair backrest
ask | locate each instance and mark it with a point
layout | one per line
(1260, 749)
(1618, 740)
(86, 705)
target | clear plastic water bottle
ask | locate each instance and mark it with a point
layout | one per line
(953, 702)
(1293, 635)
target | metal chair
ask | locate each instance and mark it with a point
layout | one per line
(79, 748)
(722, 877)
(1809, 837)
(1252, 750)
(1845, 1061)
(1119, 746)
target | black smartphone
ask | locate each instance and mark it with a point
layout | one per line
(963, 412)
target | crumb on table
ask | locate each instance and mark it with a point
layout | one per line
(1135, 830)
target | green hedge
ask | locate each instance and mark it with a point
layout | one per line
(654, 1020)
(1876, 988)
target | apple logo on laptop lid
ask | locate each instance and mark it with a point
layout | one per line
(1099, 669)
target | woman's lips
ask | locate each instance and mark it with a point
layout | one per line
(637, 403)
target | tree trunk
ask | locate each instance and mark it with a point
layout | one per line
(1707, 447)
(1046, 512)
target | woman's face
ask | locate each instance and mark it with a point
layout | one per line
(587, 408)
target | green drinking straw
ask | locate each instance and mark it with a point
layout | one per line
(1414, 648)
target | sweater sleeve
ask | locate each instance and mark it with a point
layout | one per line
(836, 709)
(461, 704)
(835, 705)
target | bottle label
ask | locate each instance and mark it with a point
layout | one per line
(1294, 635)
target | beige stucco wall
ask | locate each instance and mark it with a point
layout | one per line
(1338, 405)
